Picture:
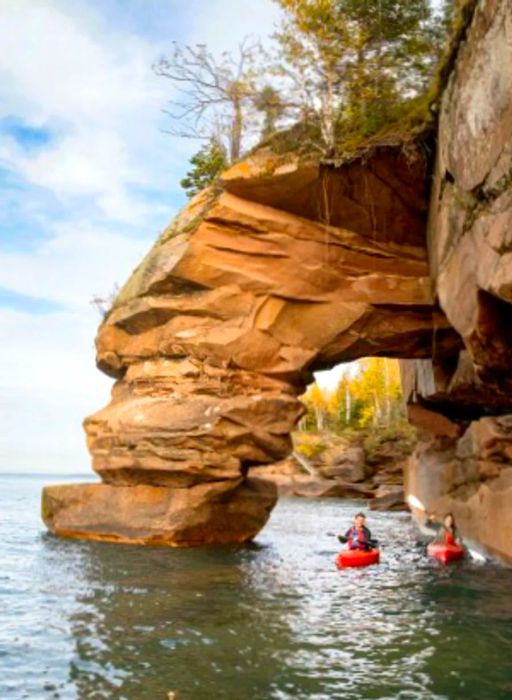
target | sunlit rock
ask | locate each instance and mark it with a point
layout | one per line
(288, 266)
(221, 513)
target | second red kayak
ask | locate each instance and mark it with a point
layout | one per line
(357, 557)
(445, 553)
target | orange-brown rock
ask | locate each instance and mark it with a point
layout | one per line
(471, 213)
(180, 423)
(432, 423)
(218, 330)
(289, 266)
(220, 513)
(471, 477)
(470, 243)
(274, 293)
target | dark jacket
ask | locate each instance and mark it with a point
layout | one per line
(359, 539)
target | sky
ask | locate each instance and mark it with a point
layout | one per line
(88, 178)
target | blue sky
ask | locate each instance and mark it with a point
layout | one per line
(87, 180)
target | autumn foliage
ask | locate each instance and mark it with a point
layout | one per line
(369, 395)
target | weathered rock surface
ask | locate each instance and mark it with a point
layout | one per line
(469, 240)
(346, 463)
(288, 267)
(471, 477)
(220, 513)
(388, 497)
(248, 291)
(179, 423)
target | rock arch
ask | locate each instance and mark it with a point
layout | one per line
(288, 266)
(218, 330)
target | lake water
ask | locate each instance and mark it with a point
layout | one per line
(272, 620)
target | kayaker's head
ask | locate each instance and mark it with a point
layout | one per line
(449, 521)
(359, 521)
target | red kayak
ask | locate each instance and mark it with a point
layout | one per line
(357, 557)
(445, 553)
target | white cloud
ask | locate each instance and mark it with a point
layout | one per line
(48, 385)
(222, 24)
(76, 263)
(98, 192)
(65, 66)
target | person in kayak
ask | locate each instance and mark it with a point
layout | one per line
(359, 536)
(446, 532)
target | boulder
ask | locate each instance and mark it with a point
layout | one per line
(388, 497)
(216, 513)
(316, 487)
(343, 462)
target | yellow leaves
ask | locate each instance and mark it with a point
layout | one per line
(370, 396)
(316, 396)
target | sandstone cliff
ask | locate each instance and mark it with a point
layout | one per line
(290, 266)
(465, 463)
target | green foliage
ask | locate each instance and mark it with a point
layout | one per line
(354, 66)
(344, 71)
(207, 164)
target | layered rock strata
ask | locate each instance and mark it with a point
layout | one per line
(290, 266)
(465, 462)
(286, 268)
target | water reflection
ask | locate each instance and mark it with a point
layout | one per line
(274, 620)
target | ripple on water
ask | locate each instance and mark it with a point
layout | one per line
(272, 620)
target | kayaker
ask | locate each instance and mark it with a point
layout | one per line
(447, 532)
(359, 536)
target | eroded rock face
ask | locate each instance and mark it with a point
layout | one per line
(465, 465)
(288, 267)
(218, 330)
(470, 476)
(225, 512)
(470, 227)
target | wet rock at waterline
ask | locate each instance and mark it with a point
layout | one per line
(470, 476)
(224, 512)
(290, 266)
(217, 332)
(388, 497)
(464, 463)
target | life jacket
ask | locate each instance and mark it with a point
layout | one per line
(448, 537)
(358, 539)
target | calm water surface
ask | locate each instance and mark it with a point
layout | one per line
(273, 620)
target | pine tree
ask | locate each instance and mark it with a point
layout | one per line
(207, 164)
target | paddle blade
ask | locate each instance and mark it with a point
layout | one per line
(342, 539)
(415, 502)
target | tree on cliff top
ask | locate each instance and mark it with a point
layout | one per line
(313, 40)
(350, 63)
(214, 95)
(207, 164)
